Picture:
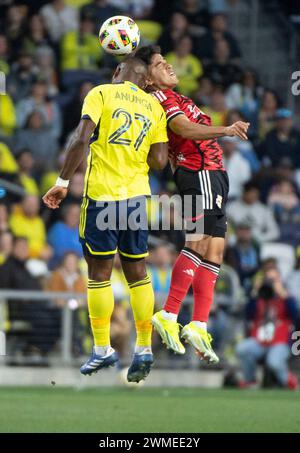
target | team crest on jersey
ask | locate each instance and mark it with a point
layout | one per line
(219, 200)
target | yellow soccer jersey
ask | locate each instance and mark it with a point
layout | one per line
(128, 121)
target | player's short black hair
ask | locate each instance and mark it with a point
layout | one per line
(132, 61)
(146, 53)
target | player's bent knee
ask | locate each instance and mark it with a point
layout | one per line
(99, 270)
(134, 270)
(198, 244)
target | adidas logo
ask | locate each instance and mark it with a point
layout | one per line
(189, 272)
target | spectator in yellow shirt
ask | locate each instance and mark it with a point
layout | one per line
(216, 107)
(26, 222)
(81, 49)
(26, 163)
(7, 116)
(187, 67)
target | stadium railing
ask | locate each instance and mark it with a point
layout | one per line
(27, 317)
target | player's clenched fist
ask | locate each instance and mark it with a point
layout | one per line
(54, 196)
(239, 129)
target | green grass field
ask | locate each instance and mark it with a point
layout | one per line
(178, 410)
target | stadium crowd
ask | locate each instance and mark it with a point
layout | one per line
(51, 57)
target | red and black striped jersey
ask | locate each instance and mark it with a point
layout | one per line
(192, 154)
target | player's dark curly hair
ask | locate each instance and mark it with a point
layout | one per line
(146, 53)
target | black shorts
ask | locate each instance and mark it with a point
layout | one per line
(208, 190)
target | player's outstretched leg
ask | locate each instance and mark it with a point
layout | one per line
(100, 305)
(165, 321)
(142, 302)
(195, 333)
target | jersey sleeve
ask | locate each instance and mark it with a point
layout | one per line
(169, 103)
(160, 132)
(93, 105)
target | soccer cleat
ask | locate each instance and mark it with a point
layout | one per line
(201, 341)
(169, 332)
(97, 362)
(140, 367)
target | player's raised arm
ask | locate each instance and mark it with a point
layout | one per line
(75, 154)
(182, 126)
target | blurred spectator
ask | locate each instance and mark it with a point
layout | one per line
(243, 256)
(248, 209)
(36, 35)
(26, 164)
(74, 108)
(160, 270)
(217, 6)
(38, 139)
(218, 30)
(4, 54)
(244, 97)
(177, 28)
(237, 167)
(271, 316)
(98, 11)
(67, 277)
(223, 323)
(6, 243)
(8, 164)
(196, 13)
(4, 218)
(59, 19)
(245, 147)
(204, 91)
(38, 102)
(285, 203)
(266, 114)
(21, 77)
(63, 235)
(283, 140)
(15, 28)
(222, 71)
(7, 117)
(26, 222)
(138, 9)
(43, 320)
(187, 67)
(13, 273)
(80, 49)
(44, 59)
(75, 189)
(216, 108)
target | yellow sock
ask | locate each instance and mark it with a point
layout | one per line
(142, 303)
(101, 305)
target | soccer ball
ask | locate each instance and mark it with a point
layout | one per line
(119, 35)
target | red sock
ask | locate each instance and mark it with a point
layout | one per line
(203, 289)
(182, 276)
